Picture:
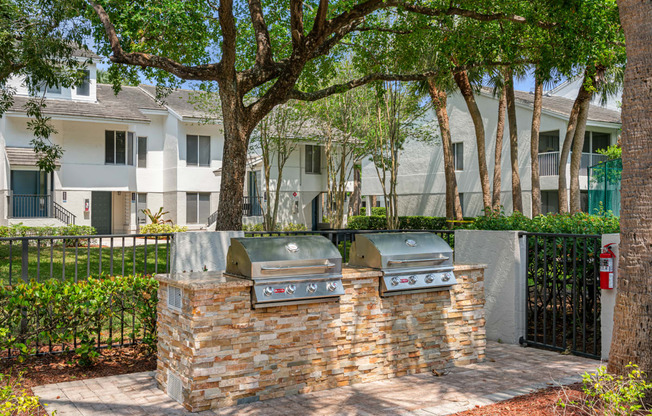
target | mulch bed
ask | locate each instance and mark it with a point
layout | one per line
(539, 403)
(58, 368)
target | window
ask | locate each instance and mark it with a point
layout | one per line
(549, 202)
(54, 90)
(313, 159)
(142, 152)
(458, 156)
(599, 141)
(141, 204)
(198, 150)
(118, 147)
(85, 87)
(198, 207)
(549, 141)
(462, 203)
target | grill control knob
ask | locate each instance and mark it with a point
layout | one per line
(412, 279)
(394, 281)
(312, 287)
(430, 278)
(447, 277)
(331, 286)
(290, 289)
(267, 291)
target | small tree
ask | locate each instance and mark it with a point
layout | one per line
(277, 136)
(390, 120)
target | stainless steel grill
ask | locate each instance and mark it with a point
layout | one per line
(411, 262)
(287, 270)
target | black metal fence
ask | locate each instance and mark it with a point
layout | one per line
(343, 238)
(563, 293)
(78, 257)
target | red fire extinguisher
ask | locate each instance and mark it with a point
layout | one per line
(607, 267)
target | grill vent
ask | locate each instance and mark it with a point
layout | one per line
(174, 297)
(174, 387)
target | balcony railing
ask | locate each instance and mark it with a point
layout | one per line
(38, 206)
(549, 163)
(251, 207)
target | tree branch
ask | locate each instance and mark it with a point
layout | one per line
(207, 72)
(263, 42)
(296, 22)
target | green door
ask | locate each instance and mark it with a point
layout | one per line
(101, 212)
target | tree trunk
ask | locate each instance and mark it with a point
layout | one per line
(462, 81)
(576, 157)
(237, 130)
(534, 146)
(498, 153)
(439, 99)
(633, 315)
(356, 197)
(517, 198)
(582, 95)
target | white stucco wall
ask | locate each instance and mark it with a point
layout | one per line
(505, 278)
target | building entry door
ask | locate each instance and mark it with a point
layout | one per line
(101, 212)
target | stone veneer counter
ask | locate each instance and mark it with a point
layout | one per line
(216, 351)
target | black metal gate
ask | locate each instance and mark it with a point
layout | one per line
(563, 293)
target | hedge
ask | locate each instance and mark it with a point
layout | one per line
(55, 312)
(279, 227)
(20, 230)
(379, 222)
(162, 229)
(579, 223)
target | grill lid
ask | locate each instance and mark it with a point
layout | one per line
(262, 257)
(400, 250)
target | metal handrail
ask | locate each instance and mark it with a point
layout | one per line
(328, 265)
(63, 214)
(407, 261)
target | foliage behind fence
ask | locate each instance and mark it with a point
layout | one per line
(55, 315)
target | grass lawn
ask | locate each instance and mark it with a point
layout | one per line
(88, 261)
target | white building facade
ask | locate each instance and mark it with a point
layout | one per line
(421, 184)
(128, 152)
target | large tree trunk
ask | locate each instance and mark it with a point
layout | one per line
(633, 315)
(534, 146)
(582, 96)
(498, 151)
(356, 197)
(517, 198)
(237, 130)
(439, 99)
(462, 81)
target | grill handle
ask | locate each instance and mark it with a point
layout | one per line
(407, 261)
(328, 265)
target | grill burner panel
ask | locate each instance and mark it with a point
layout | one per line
(411, 262)
(287, 270)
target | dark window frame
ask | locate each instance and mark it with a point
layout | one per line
(458, 156)
(112, 155)
(312, 159)
(84, 89)
(201, 200)
(141, 163)
(198, 154)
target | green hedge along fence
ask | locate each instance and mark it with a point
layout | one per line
(579, 223)
(54, 315)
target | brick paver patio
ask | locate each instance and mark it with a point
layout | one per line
(508, 371)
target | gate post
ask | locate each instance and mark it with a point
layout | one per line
(505, 279)
(608, 298)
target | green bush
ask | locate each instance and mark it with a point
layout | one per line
(374, 211)
(165, 228)
(279, 227)
(54, 311)
(606, 394)
(379, 222)
(15, 399)
(578, 223)
(20, 230)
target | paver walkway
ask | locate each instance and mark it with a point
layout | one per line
(508, 371)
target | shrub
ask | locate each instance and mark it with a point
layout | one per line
(378, 222)
(15, 399)
(164, 228)
(606, 394)
(578, 223)
(279, 227)
(19, 230)
(55, 311)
